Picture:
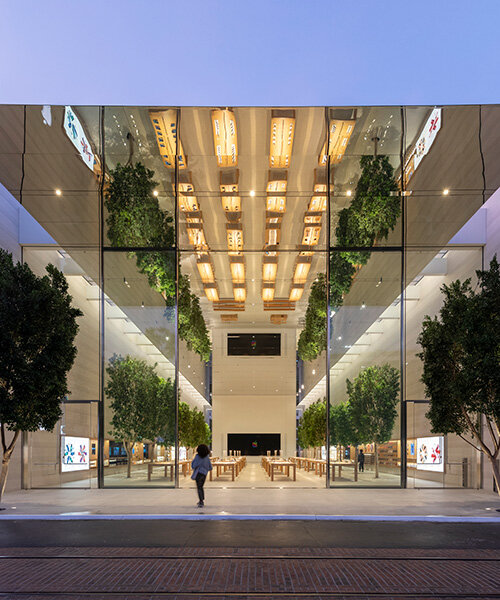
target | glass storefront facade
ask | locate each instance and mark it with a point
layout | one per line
(333, 228)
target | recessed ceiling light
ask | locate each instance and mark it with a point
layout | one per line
(446, 191)
(349, 193)
(155, 193)
(339, 337)
(314, 371)
(58, 192)
(363, 305)
(252, 193)
(167, 338)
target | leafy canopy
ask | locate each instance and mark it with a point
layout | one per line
(373, 399)
(142, 404)
(311, 431)
(135, 219)
(193, 430)
(461, 357)
(37, 333)
(342, 429)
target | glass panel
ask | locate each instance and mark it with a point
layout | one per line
(141, 145)
(252, 401)
(364, 155)
(365, 371)
(451, 462)
(66, 456)
(250, 169)
(62, 167)
(139, 354)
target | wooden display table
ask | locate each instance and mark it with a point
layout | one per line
(170, 464)
(271, 464)
(340, 464)
(221, 466)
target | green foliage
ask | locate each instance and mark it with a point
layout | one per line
(373, 399)
(311, 431)
(341, 274)
(372, 214)
(374, 210)
(142, 404)
(312, 340)
(135, 219)
(193, 430)
(461, 356)
(192, 327)
(37, 333)
(342, 429)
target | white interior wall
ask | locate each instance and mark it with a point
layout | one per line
(254, 394)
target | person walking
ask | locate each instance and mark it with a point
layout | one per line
(361, 461)
(201, 465)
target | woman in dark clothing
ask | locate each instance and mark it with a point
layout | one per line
(361, 461)
(201, 466)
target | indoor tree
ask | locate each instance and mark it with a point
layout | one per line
(373, 399)
(39, 326)
(311, 430)
(342, 430)
(142, 404)
(193, 430)
(136, 220)
(461, 364)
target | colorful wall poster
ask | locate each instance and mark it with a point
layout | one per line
(74, 453)
(430, 453)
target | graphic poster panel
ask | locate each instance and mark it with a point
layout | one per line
(74, 453)
(430, 453)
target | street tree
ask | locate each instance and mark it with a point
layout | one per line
(461, 364)
(39, 326)
(373, 399)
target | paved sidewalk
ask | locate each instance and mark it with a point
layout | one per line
(253, 503)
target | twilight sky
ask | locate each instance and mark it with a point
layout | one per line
(260, 52)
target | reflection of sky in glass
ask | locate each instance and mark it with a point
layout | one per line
(280, 52)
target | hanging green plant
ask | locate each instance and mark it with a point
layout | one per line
(313, 338)
(135, 219)
(372, 214)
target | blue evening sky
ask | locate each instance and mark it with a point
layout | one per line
(259, 52)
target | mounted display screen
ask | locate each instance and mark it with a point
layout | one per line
(253, 444)
(254, 344)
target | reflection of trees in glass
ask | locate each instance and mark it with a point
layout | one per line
(373, 213)
(312, 339)
(193, 430)
(143, 404)
(37, 333)
(461, 356)
(311, 430)
(342, 430)
(373, 399)
(135, 219)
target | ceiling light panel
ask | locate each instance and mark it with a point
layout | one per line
(296, 292)
(268, 292)
(301, 270)
(205, 269)
(225, 138)
(282, 134)
(272, 234)
(311, 235)
(339, 135)
(165, 128)
(211, 292)
(269, 268)
(239, 292)
(187, 200)
(237, 265)
(196, 236)
(234, 233)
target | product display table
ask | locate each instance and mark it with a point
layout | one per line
(341, 464)
(236, 464)
(170, 464)
(277, 463)
(318, 465)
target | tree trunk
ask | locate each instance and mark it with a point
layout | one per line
(152, 458)
(375, 445)
(128, 450)
(7, 453)
(496, 472)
